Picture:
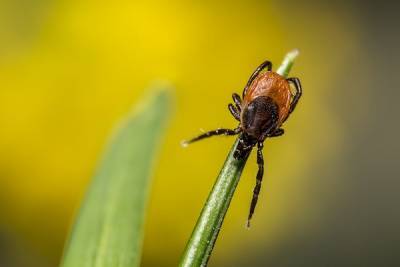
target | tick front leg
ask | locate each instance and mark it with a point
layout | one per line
(260, 174)
(212, 133)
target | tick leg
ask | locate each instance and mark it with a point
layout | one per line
(238, 101)
(212, 133)
(266, 64)
(243, 148)
(299, 91)
(260, 173)
(278, 132)
(234, 112)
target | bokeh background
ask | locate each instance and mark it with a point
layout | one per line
(69, 70)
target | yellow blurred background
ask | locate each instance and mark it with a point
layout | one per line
(69, 70)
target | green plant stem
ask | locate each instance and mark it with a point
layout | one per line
(205, 233)
(287, 63)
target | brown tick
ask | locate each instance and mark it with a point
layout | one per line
(266, 105)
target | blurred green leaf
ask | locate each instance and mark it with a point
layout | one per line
(109, 229)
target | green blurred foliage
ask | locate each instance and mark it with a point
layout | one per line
(70, 69)
(109, 230)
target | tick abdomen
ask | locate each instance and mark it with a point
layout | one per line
(271, 84)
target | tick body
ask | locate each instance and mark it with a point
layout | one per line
(266, 103)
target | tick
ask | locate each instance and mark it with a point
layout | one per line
(266, 103)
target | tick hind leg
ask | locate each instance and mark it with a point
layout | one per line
(277, 133)
(260, 174)
(266, 64)
(212, 133)
(299, 92)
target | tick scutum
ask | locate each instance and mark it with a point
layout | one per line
(260, 117)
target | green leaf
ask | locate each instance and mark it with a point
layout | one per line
(109, 229)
